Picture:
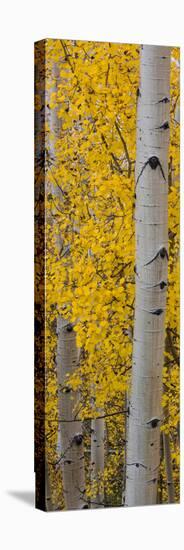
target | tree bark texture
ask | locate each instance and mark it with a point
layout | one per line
(151, 221)
(97, 458)
(71, 429)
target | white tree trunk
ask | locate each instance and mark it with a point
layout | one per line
(71, 430)
(145, 414)
(126, 405)
(97, 458)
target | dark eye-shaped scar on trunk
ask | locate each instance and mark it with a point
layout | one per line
(153, 162)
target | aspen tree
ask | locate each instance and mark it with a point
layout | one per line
(70, 428)
(97, 457)
(151, 220)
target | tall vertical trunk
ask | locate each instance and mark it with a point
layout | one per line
(145, 415)
(126, 405)
(97, 458)
(71, 430)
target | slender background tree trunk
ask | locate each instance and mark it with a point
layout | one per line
(70, 429)
(145, 413)
(97, 457)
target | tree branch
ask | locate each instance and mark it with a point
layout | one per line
(125, 148)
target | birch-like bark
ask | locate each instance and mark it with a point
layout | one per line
(70, 429)
(145, 413)
(67, 358)
(97, 458)
(126, 436)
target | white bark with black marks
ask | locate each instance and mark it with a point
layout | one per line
(151, 220)
(97, 458)
(72, 447)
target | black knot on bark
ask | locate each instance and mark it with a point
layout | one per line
(69, 327)
(163, 284)
(163, 253)
(164, 100)
(165, 126)
(157, 312)
(78, 439)
(153, 162)
(66, 389)
(153, 422)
